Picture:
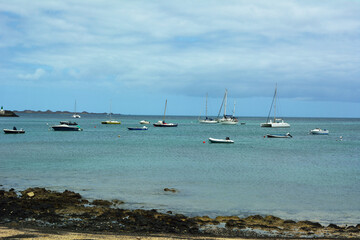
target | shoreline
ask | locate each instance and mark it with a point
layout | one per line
(39, 208)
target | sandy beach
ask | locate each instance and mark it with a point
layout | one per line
(9, 233)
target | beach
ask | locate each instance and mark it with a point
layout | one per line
(66, 214)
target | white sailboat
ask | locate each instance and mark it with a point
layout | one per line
(163, 123)
(227, 119)
(276, 122)
(110, 121)
(207, 120)
(75, 114)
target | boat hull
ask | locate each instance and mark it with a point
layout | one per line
(319, 132)
(208, 121)
(137, 128)
(278, 136)
(110, 122)
(165, 124)
(66, 128)
(275, 125)
(11, 131)
(214, 140)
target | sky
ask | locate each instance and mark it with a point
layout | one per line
(133, 55)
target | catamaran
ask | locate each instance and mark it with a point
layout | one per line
(276, 122)
(75, 114)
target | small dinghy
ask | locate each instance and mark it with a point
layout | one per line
(138, 128)
(287, 135)
(13, 131)
(226, 140)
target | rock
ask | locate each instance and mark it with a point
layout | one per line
(99, 202)
(333, 226)
(352, 229)
(117, 202)
(308, 224)
(173, 190)
(227, 218)
(30, 194)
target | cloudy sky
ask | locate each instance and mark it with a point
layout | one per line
(135, 54)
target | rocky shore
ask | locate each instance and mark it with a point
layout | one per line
(42, 208)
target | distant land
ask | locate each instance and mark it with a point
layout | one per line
(56, 112)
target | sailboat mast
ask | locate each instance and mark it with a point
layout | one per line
(75, 108)
(165, 110)
(275, 103)
(234, 108)
(225, 102)
(206, 105)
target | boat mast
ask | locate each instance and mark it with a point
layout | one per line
(275, 102)
(234, 108)
(75, 108)
(225, 103)
(165, 110)
(206, 106)
(221, 105)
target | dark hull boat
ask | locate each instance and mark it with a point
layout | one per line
(64, 127)
(163, 124)
(13, 131)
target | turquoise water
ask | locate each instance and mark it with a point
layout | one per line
(304, 178)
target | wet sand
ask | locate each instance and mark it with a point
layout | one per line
(44, 214)
(9, 233)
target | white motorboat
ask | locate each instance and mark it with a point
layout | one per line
(226, 140)
(144, 122)
(276, 122)
(162, 123)
(65, 127)
(319, 131)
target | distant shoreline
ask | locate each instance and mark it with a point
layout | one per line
(56, 112)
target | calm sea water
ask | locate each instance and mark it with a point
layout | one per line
(304, 178)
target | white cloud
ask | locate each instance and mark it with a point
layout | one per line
(33, 76)
(176, 45)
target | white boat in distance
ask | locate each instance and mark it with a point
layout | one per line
(226, 140)
(144, 122)
(110, 121)
(319, 131)
(75, 114)
(227, 119)
(276, 122)
(207, 120)
(162, 123)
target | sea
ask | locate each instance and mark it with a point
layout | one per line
(307, 177)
